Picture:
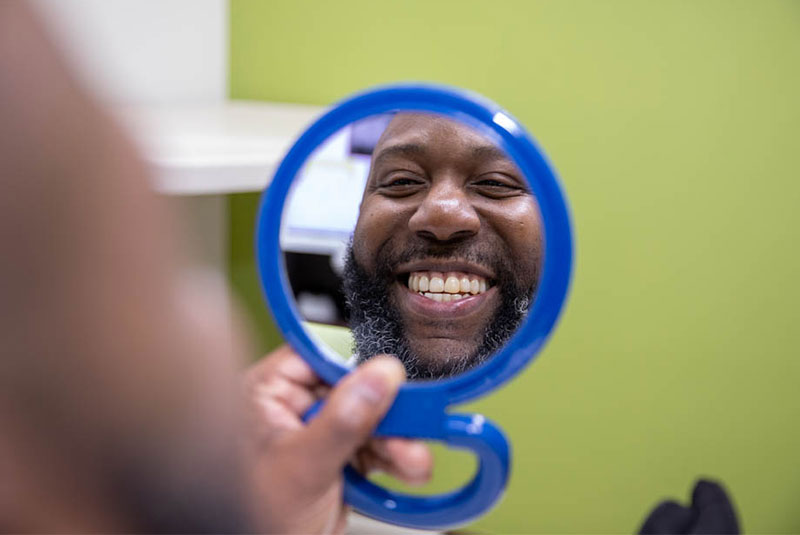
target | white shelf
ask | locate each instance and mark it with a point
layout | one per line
(220, 148)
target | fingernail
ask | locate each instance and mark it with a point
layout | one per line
(372, 386)
(419, 461)
(369, 389)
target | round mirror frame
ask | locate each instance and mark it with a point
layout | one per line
(501, 128)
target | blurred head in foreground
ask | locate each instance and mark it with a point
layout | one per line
(117, 379)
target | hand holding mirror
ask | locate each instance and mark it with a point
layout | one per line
(459, 265)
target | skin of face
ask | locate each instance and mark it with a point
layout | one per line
(441, 197)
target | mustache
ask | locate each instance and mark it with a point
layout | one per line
(461, 251)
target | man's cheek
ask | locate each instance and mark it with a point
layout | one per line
(368, 238)
(361, 250)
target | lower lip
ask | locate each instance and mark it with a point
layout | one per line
(451, 309)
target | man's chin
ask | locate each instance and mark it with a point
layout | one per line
(439, 358)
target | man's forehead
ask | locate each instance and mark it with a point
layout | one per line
(424, 126)
(423, 133)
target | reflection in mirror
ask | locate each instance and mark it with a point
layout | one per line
(414, 235)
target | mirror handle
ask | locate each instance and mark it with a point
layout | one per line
(471, 432)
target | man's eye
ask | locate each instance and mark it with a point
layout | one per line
(400, 186)
(490, 182)
(396, 182)
(497, 186)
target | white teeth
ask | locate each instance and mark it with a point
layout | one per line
(452, 285)
(446, 287)
(464, 285)
(443, 297)
(423, 283)
(436, 284)
(474, 286)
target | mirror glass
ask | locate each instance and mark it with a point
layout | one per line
(415, 235)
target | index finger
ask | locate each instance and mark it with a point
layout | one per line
(287, 364)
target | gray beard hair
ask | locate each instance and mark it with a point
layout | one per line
(378, 329)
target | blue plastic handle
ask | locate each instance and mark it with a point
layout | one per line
(470, 432)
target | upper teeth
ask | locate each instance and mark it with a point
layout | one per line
(446, 286)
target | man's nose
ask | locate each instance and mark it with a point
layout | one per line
(445, 214)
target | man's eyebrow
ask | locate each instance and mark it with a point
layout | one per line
(490, 152)
(480, 152)
(402, 149)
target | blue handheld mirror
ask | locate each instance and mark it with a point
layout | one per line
(457, 286)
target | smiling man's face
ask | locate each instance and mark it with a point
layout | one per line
(447, 249)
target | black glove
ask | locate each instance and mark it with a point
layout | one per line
(711, 513)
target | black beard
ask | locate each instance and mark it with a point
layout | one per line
(378, 328)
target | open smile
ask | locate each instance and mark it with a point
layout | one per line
(440, 290)
(446, 287)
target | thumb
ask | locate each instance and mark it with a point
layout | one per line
(350, 414)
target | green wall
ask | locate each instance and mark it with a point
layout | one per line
(675, 129)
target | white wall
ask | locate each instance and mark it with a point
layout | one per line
(149, 54)
(146, 51)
